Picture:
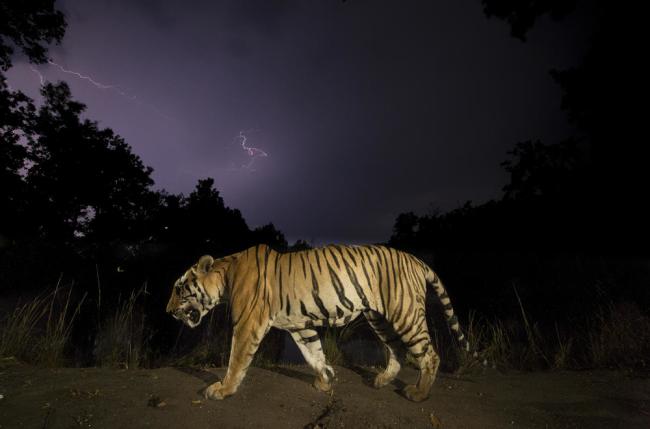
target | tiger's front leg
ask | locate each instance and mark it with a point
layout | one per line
(309, 344)
(245, 342)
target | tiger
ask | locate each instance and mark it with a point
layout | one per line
(322, 287)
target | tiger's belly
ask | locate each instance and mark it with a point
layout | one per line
(301, 307)
(293, 322)
(307, 316)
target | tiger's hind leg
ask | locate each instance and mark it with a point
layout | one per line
(392, 341)
(309, 344)
(416, 338)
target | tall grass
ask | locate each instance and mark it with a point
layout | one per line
(57, 331)
(39, 330)
(619, 337)
(18, 329)
(616, 336)
(121, 339)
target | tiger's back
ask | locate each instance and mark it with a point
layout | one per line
(332, 285)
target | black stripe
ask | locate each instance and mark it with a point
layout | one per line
(388, 279)
(339, 312)
(279, 278)
(310, 339)
(338, 287)
(355, 283)
(336, 260)
(393, 266)
(338, 249)
(303, 309)
(422, 353)
(380, 286)
(290, 262)
(415, 342)
(277, 260)
(288, 305)
(365, 273)
(317, 300)
(379, 265)
(304, 270)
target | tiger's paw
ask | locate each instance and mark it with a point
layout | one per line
(214, 391)
(322, 385)
(381, 380)
(414, 394)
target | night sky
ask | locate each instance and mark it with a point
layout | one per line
(365, 108)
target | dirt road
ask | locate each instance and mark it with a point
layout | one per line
(283, 397)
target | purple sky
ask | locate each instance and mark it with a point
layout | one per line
(366, 108)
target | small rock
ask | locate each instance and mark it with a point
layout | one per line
(156, 402)
(435, 421)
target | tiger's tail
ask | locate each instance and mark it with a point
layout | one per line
(433, 280)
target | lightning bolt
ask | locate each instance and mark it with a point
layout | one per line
(252, 152)
(103, 86)
(81, 76)
(39, 74)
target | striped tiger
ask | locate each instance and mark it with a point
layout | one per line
(328, 286)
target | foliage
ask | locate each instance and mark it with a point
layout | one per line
(521, 15)
(29, 25)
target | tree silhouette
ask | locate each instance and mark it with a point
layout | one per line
(269, 234)
(541, 171)
(84, 180)
(522, 14)
(600, 96)
(16, 116)
(211, 224)
(29, 25)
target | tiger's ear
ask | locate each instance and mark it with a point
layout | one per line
(205, 264)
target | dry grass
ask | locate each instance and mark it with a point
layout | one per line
(121, 338)
(39, 330)
(620, 337)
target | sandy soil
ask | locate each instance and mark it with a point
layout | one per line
(283, 397)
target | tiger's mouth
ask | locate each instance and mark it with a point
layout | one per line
(194, 316)
(191, 316)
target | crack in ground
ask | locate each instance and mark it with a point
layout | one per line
(331, 408)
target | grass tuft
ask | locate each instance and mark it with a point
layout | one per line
(121, 338)
(38, 331)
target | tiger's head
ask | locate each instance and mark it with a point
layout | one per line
(198, 290)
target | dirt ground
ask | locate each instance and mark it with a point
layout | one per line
(283, 397)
